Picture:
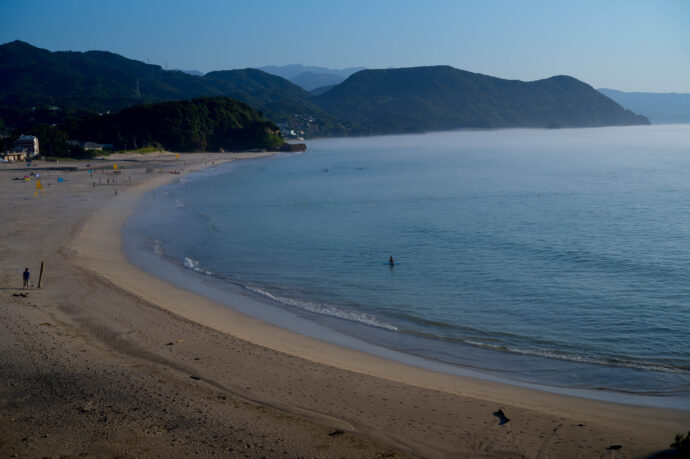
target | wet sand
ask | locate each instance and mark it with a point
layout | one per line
(106, 360)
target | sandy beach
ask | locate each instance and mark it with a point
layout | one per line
(106, 360)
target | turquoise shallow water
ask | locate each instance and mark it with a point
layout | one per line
(552, 256)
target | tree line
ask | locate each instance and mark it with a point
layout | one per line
(204, 124)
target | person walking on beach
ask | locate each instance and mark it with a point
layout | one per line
(26, 276)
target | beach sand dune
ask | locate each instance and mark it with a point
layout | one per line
(105, 360)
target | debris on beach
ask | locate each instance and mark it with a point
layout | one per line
(500, 414)
(88, 406)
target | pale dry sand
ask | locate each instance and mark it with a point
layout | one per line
(106, 360)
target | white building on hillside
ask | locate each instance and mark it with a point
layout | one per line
(28, 143)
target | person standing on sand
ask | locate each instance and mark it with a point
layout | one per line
(26, 276)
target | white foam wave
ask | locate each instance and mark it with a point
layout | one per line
(194, 266)
(178, 203)
(326, 310)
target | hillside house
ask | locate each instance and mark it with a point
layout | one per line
(93, 146)
(29, 143)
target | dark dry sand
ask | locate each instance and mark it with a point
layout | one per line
(89, 368)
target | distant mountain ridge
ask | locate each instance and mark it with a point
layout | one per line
(310, 77)
(421, 99)
(310, 80)
(660, 108)
(291, 71)
(37, 85)
(102, 81)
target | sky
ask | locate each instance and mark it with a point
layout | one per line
(628, 45)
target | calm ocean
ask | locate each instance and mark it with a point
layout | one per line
(559, 257)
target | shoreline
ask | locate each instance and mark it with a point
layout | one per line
(244, 301)
(95, 246)
(111, 263)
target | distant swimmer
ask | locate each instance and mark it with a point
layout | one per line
(390, 261)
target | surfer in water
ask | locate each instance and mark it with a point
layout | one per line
(390, 261)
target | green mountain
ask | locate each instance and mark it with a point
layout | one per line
(93, 80)
(39, 86)
(441, 98)
(279, 99)
(661, 108)
(34, 79)
(205, 124)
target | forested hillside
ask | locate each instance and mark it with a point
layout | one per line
(39, 86)
(205, 124)
(440, 98)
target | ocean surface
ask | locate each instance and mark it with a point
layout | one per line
(555, 257)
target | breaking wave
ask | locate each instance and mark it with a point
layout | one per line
(325, 309)
(195, 266)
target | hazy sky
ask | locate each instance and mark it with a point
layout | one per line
(629, 45)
